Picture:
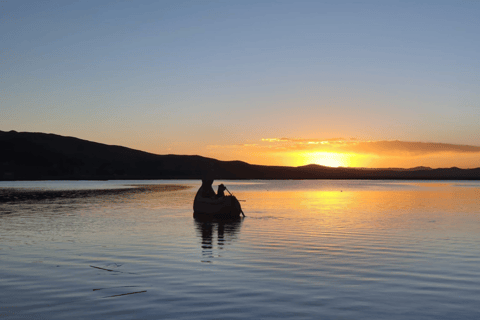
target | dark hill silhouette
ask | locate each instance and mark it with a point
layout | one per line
(40, 156)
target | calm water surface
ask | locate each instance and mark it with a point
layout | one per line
(306, 250)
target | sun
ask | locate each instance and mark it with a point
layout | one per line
(329, 159)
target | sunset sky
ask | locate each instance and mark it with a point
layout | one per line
(337, 83)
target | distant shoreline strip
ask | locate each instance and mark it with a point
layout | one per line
(19, 195)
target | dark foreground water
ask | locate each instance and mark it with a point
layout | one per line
(306, 250)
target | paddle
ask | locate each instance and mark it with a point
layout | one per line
(235, 198)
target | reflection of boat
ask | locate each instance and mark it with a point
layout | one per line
(225, 233)
(223, 208)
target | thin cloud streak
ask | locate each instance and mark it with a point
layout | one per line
(408, 148)
(340, 145)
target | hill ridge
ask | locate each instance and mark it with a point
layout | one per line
(48, 156)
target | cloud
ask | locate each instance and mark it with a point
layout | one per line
(340, 145)
(411, 148)
(301, 141)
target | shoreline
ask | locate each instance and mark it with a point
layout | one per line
(19, 195)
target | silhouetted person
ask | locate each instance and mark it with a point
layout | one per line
(206, 190)
(220, 190)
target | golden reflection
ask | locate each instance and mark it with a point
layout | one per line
(353, 209)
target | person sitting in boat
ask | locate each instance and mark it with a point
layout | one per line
(207, 204)
(220, 190)
(206, 190)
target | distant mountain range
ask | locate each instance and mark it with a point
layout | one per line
(41, 156)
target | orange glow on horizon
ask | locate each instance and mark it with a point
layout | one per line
(328, 159)
(349, 153)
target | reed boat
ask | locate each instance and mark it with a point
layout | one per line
(223, 208)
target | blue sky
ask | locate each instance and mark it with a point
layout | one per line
(180, 76)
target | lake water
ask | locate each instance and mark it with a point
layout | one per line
(306, 250)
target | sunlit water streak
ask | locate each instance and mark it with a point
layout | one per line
(307, 250)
